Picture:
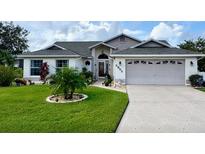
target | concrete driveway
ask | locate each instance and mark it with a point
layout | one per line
(164, 109)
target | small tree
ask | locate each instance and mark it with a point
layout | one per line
(66, 81)
(44, 71)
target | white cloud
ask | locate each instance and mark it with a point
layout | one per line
(170, 32)
(45, 33)
(132, 32)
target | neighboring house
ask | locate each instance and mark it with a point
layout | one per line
(128, 60)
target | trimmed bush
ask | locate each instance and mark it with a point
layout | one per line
(7, 75)
(18, 72)
(196, 80)
(108, 80)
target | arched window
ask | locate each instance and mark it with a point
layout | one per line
(87, 62)
(103, 56)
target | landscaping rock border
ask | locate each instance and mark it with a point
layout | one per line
(48, 99)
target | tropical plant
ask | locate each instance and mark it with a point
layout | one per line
(44, 71)
(66, 81)
(7, 75)
(88, 75)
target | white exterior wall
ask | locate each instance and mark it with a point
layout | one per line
(189, 70)
(119, 74)
(76, 63)
(52, 64)
(79, 64)
(26, 66)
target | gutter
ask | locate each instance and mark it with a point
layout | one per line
(48, 56)
(157, 55)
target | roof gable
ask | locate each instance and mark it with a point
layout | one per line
(122, 35)
(102, 43)
(54, 47)
(152, 44)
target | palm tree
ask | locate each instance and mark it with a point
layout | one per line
(66, 81)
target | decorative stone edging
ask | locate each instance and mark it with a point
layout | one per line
(52, 101)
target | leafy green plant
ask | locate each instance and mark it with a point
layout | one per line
(108, 80)
(6, 58)
(87, 75)
(7, 75)
(18, 72)
(196, 80)
(44, 71)
(66, 81)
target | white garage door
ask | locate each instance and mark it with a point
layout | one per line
(164, 72)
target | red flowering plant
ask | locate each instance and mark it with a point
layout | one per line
(44, 71)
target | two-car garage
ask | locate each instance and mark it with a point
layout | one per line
(158, 71)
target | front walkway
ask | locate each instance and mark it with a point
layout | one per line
(170, 109)
(117, 88)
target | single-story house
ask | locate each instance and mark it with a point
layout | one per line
(128, 60)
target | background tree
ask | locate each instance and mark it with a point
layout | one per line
(13, 38)
(197, 45)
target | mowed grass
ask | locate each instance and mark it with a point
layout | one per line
(24, 109)
(201, 89)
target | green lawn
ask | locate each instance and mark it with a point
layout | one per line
(202, 89)
(24, 109)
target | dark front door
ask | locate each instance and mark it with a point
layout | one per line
(101, 69)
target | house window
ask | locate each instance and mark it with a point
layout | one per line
(35, 67)
(61, 64)
(158, 62)
(150, 62)
(129, 62)
(87, 62)
(136, 62)
(172, 62)
(165, 62)
(179, 62)
(143, 62)
(103, 56)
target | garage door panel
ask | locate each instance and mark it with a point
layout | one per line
(156, 72)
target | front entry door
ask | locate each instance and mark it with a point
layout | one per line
(101, 69)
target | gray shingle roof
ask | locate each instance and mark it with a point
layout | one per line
(81, 48)
(50, 52)
(154, 51)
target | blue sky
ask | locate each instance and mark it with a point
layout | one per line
(43, 34)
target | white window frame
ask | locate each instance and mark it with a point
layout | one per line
(58, 68)
(33, 67)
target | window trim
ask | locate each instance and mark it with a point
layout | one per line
(32, 67)
(57, 68)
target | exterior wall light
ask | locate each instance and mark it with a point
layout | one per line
(191, 63)
(120, 63)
